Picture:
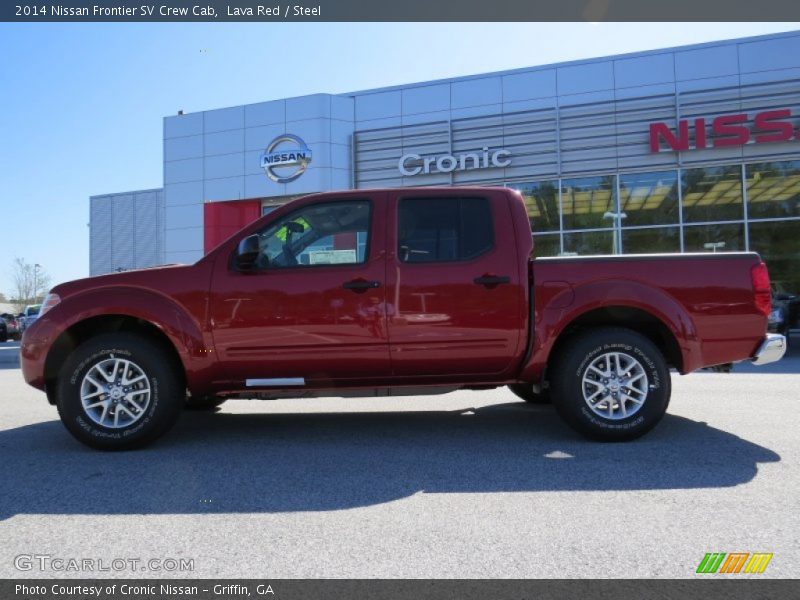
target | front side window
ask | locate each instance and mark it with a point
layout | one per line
(333, 233)
(444, 229)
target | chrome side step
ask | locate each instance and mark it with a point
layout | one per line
(276, 382)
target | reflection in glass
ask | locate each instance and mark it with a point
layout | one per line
(586, 200)
(778, 243)
(649, 198)
(712, 194)
(773, 189)
(727, 237)
(541, 200)
(589, 242)
(546, 245)
(651, 240)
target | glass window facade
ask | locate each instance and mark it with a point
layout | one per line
(645, 240)
(587, 201)
(778, 243)
(715, 237)
(773, 190)
(547, 244)
(541, 200)
(649, 198)
(712, 194)
(720, 208)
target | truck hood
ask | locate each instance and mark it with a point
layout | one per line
(148, 277)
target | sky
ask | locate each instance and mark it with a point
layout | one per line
(81, 105)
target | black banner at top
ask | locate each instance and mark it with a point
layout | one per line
(267, 11)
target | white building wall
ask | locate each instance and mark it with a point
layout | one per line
(587, 116)
(215, 155)
(583, 117)
(126, 231)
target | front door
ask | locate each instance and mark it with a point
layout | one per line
(455, 292)
(312, 311)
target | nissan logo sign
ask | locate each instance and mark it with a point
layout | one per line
(284, 152)
(414, 164)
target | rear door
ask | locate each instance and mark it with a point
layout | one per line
(454, 294)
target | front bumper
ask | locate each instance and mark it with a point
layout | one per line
(771, 349)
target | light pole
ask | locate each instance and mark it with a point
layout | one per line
(617, 216)
(36, 268)
(713, 246)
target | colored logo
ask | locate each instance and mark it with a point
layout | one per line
(734, 562)
(726, 130)
(286, 158)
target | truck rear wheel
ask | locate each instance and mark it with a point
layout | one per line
(119, 391)
(611, 384)
(527, 393)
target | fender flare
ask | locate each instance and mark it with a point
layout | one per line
(183, 331)
(565, 307)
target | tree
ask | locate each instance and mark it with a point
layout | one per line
(30, 282)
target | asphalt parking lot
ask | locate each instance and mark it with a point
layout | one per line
(471, 484)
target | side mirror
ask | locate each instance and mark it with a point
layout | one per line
(247, 253)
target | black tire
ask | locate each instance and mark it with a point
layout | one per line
(161, 374)
(525, 391)
(204, 402)
(567, 387)
(3, 337)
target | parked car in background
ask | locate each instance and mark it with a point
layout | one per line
(785, 313)
(28, 315)
(12, 326)
(3, 331)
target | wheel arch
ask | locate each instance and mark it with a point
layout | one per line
(85, 329)
(636, 319)
(653, 312)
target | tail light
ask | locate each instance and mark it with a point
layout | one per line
(761, 289)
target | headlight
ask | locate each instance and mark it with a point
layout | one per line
(50, 301)
(776, 316)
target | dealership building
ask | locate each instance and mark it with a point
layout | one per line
(689, 149)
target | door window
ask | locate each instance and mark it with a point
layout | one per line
(444, 229)
(332, 233)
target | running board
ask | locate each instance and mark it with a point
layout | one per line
(277, 382)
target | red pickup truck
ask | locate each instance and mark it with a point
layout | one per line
(394, 292)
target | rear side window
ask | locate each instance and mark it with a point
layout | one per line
(444, 229)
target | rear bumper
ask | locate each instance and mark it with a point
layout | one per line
(771, 349)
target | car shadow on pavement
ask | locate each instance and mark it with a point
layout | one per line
(227, 463)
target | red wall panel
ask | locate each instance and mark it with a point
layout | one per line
(222, 219)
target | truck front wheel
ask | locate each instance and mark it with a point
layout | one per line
(119, 391)
(611, 384)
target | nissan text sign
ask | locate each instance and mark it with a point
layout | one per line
(725, 130)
